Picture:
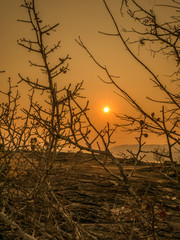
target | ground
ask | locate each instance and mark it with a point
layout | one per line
(104, 207)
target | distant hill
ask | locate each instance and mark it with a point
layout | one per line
(123, 149)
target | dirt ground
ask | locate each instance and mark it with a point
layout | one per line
(103, 206)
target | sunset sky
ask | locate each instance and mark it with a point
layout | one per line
(83, 18)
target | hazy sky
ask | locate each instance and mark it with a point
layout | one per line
(80, 18)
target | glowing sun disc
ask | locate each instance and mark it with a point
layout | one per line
(106, 109)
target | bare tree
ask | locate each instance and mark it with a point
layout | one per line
(160, 38)
(51, 127)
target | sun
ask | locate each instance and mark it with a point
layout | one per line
(106, 109)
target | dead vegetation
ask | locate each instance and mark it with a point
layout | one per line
(46, 193)
(81, 191)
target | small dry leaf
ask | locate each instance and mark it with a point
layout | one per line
(152, 114)
(141, 122)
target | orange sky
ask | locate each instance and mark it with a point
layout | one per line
(85, 19)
